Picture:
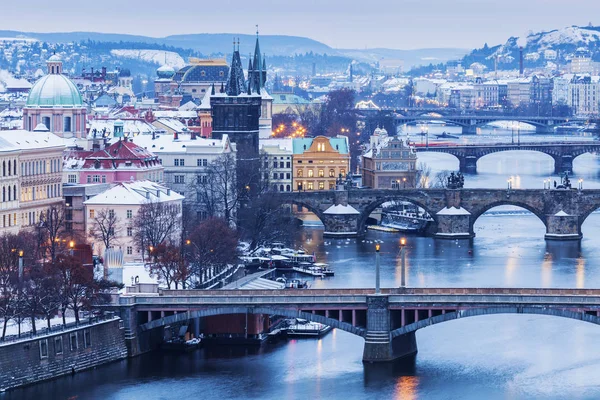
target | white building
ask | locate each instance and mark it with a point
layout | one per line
(30, 176)
(584, 95)
(519, 91)
(125, 200)
(185, 160)
(277, 163)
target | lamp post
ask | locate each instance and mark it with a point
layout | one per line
(20, 265)
(377, 287)
(404, 180)
(71, 247)
(402, 263)
(580, 184)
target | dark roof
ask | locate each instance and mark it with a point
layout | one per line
(236, 84)
(202, 73)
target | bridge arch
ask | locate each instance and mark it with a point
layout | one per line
(552, 154)
(476, 213)
(366, 212)
(474, 312)
(310, 207)
(223, 310)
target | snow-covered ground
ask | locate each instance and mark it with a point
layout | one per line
(160, 57)
(13, 328)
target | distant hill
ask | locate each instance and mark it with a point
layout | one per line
(557, 46)
(271, 45)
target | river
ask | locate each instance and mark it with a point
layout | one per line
(486, 357)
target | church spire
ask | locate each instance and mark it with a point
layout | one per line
(236, 83)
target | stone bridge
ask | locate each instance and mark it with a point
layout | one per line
(562, 153)
(387, 321)
(470, 123)
(454, 212)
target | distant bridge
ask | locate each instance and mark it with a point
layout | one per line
(563, 153)
(470, 123)
(387, 321)
(454, 212)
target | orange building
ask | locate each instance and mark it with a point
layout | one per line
(317, 162)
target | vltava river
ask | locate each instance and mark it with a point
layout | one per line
(486, 357)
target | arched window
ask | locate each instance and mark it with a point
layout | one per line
(15, 166)
(288, 188)
(300, 174)
(281, 188)
(9, 168)
(3, 168)
(3, 193)
(14, 192)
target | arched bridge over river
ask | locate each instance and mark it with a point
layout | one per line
(454, 212)
(562, 153)
(387, 321)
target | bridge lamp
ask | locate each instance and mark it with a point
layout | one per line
(377, 283)
(402, 263)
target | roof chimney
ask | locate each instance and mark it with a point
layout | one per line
(521, 61)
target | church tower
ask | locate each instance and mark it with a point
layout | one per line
(257, 77)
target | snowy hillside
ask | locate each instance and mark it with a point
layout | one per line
(159, 57)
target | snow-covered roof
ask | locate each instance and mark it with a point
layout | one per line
(453, 211)
(184, 144)
(340, 209)
(135, 193)
(171, 123)
(283, 144)
(561, 213)
(25, 140)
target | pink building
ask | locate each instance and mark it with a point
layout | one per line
(122, 161)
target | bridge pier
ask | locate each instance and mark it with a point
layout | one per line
(562, 226)
(341, 225)
(469, 130)
(454, 223)
(563, 163)
(468, 164)
(379, 344)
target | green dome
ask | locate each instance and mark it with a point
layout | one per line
(54, 90)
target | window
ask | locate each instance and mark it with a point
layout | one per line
(179, 179)
(111, 214)
(129, 250)
(92, 214)
(310, 186)
(181, 162)
(44, 348)
(129, 231)
(288, 175)
(96, 178)
(87, 338)
(275, 175)
(202, 162)
(129, 213)
(73, 341)
(331, 185)
(332, 173)
(176, 162)
(321, 185)
(300, 173)
(58, 347)
(67, 124)
(343, 172)
(310, 173)
(103, 178)
(89, 179)
(288, 165)
(321, 173)
(73, 178)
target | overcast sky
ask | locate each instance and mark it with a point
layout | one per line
(400, 24)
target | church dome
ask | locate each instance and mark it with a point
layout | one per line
(165, 72)
(54, 90)
(54, 58)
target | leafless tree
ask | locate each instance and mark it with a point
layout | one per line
(441, 179)
(157, 223)
(106, 227)
(423, 176)
(52, 225)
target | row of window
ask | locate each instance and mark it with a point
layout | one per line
(279, 164)
(111, 214)
(58, 343)
(320, 173)
(311, 185)
(10, 194)
(9, 220)
(41, 192)
(7, 170)
(29, 168)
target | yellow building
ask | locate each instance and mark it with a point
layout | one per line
(317, 162)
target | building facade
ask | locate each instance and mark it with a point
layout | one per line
(318, 162)
(277, 157)
(390, 163)
(125, 200)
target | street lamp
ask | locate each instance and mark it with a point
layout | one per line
(71, 246)
(377, 286)
(404, 180)
(580, 184)
(402, 263)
